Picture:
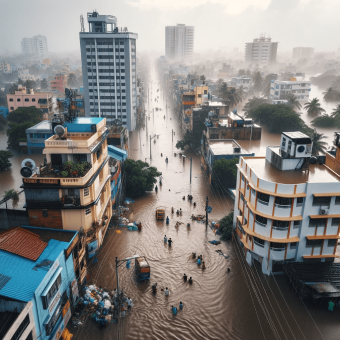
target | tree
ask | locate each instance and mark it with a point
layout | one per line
(44, 84)
(3, 123)
(189, 140)
(140, 177)
(231, 94)
(252, 103)
(266, 85)
(241, 93)
(313, 107)
(72, 80)
(326, 121)
(30, 84)
(331, 95)
(318, 144)
(25, 114)
(278, 118)
(336, 112)
(295, 104)
(226, 227)
(224, 173)
(257, 81)
(3, 99)
(4, 159)
(18, 121)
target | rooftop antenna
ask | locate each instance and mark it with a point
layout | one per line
(82, 27)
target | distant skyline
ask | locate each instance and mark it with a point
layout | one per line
(218, 25)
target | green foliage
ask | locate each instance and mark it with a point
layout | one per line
(318, 144)
(189, 139)
(4, 159)
(11, 194)
(257, 81)
(225, 172)
(64, 173)
(16, 133)
(313, 107)
(226, 227)
(326, 121)
(140, 177)
(278, 118)
(25, 114)
(252, 103)
(234, 96)
(331, 95)
(3, 123)
(44, 85)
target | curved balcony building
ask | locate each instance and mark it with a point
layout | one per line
(287, 209)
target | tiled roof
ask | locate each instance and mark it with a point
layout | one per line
(23, 243)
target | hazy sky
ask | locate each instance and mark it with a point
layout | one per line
(219, 24)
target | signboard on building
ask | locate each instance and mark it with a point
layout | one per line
(92, 248)
(66, 317)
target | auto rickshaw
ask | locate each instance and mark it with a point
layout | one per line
(142, 268)
(160, 213)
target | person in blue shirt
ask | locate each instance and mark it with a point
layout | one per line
(174, 310)
(165, 239)
(199, 262)
(180, 305)
(167, 220)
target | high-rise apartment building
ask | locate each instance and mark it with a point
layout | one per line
(36, 45)
(261, 51)
(179, 42)
(302, 52)
(108, 57)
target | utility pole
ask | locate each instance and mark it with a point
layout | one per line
(150, 148)
(206, 212)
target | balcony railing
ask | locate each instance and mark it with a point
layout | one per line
(71, 200)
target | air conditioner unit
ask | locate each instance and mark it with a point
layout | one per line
(323, 211)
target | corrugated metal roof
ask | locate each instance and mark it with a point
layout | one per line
(24, 279)
(22, 242)
(3, 280)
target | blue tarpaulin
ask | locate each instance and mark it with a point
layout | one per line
(116, 153)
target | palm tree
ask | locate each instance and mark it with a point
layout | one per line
(313, 107)
(336, 112)
(257, 81)
(222, 89)
(318, 144)
(252, 103)
(240, 91)
(294, 103)
(231, 94)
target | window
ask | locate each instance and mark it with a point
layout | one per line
(296, 224)
(337, 200)
(242, 198)
(57, 314)
(280, 225)
(313, 243)
(277, 246)
(52, 292)
(33, 99)
(283, 142)
(332, 243)
(18, 99)
(293, 245)
(21, 328)
(283, 202)
(258, 241)
(12, 108)
(45, 213)
(299, 201)
(263, 198)
(199, 96)
(322, 201)
(335, 222)
(205, 91)
(27, 100)
(261, 220)
(86, 192)
(10, 99)
(88, 211)
(317, 222)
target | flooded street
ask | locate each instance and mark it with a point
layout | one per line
(242, 304)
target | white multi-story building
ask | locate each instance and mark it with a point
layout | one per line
(24, 74)
(281, 89)
(179, 42)
(239, 81)
(108, 57)
(261, 51)
(287, 205)
(302, 52)
(34, 46)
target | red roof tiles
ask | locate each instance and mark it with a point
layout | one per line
(23, 243)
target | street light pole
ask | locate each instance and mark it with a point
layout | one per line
(206, 212)
(190, 168)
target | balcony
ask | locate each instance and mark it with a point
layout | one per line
(70, 201)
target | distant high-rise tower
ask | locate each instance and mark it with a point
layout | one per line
(179, 42)
(34, 46)
(261, 51)
(302, 52)
(108, 56)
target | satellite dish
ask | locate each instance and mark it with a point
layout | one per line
(28, 163)
(59, 130)
(26, 172)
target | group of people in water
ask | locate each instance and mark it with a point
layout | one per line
(199, 260)
(166, 240)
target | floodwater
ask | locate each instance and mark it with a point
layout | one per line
(241, 304)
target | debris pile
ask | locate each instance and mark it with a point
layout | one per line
(101, 305)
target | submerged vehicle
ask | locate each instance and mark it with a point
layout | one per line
(160, 213)
(142, 268)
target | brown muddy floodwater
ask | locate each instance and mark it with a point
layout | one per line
(242, 304)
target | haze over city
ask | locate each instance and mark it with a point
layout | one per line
(219, 24)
